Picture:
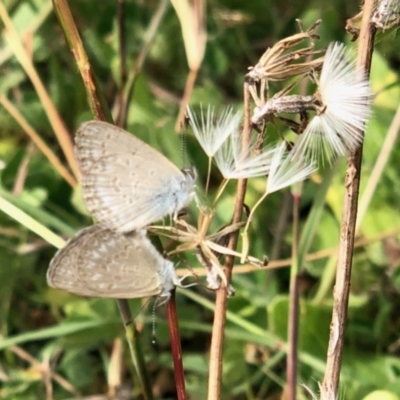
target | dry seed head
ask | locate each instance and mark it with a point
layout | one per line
(292, 104)
(387, 14)
(286, 170)
(213, 130)
(274, 65)
(346, 106)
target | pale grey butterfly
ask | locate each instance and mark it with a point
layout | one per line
(126, 184)
(98, 262)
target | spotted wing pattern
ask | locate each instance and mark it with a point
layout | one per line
(98, 262)
(126, 184)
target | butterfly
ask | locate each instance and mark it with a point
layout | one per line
(126, 184)
(98, 262)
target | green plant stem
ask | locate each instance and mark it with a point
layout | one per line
(293, 322)
(135, 349)
(245, 239)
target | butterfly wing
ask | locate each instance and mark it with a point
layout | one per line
(127, 184)
(101, 263)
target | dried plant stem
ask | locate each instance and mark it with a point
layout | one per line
(25, 60)
(95, 96)
(122, 61)
(221, 302)
(286, 262)
(38, 141)
(121, 40)
(176, 348)
(21, 353)
(343, 275)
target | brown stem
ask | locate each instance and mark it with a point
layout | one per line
(95, 96)
(122, 60)
(352, 182)
(176, 348)
(221, 302)
(121, 40)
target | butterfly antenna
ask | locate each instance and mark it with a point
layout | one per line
(153, 325)
(182, 139)
(141, 309)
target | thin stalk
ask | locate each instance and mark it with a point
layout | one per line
(293, 323)
(121, 40)
(330, 383)
(293, 332)
(221, 188)
(245, 239)
(176, 348)
(97, 102)
(135, 350)
(221, 301)
(260, 200)
(122, 60)
(208, 173)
